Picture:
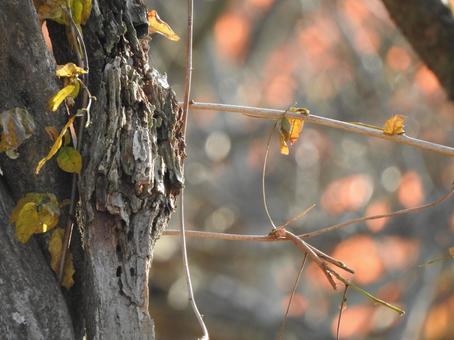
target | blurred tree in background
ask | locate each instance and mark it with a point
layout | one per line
(342, 59)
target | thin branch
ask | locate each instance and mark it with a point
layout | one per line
(295, 285)
(341, 308)
(187, 94)
(368, 218)
(265, 162)
(265, 113)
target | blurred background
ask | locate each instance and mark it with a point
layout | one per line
(342, 59)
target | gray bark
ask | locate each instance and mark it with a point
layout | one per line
(132, 154)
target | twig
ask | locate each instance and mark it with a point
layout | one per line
(368, 218)
(265, 113)
(187, 94)
(265, 162)
(341, 308)
(295, 285)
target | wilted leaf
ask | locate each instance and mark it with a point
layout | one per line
(56, 146)
(394, 126)
(69, 70)
(55, 247)
(290, 129)
(17, 125)
(35, 213)
(156, 25)
(69, 160)
(71, 90)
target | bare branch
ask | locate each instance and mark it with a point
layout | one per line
(187, 94)
(265, 113)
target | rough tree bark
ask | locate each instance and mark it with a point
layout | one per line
(132, 154)
(429, 28)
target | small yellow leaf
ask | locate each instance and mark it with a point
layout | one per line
(27, 222)
(69, 160)
(35, 213)
(69, 70)
(71, 90)
(16, 125)
(86, 11)
(52, 10)
(394, 126)
(56, 146)
(156, 25)
(290, 129)
(55, 247)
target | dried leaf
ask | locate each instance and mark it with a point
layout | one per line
(156, 25)
(55, 247)
(17, 125)
(69, 70)
(35, 213)
(69, 91)
(69, 160)
(56, 146)
(394, 126)
(52, 10)
(290, 129)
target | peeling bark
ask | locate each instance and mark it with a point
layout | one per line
(131, 176)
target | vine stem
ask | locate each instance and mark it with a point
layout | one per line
(187, 94)
(82, 61)
(266, 113)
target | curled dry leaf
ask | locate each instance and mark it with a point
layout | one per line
(394, 126)
(69, 160)
(35, 213)
(16, 125)
(56, 146)
(290, 129)
(55, 247)
(69, 70)
(157, 25)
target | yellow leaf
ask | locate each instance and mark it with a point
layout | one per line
(81, 10)
(17, 125)
(71, 90)
(394, 126)
(69, 70)
(290, 129)
(35, 213)
(69, 160)
(156, 25)
(27, 222)
(56, 146)
(55, 247)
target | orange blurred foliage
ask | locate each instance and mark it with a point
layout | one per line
(356, 320)
(411, 191)
(390, 292)
(380, 207)
(260, 4)
(361, 253)
(426, 81)
(298, 306)
(231, 33)
(438, 323)
(279, 90)
(347, 194)
(452, 222)
(398, 253)
(367, 41)
(356, 11)
(398, 58)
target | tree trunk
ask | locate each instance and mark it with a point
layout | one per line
(132, 154)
